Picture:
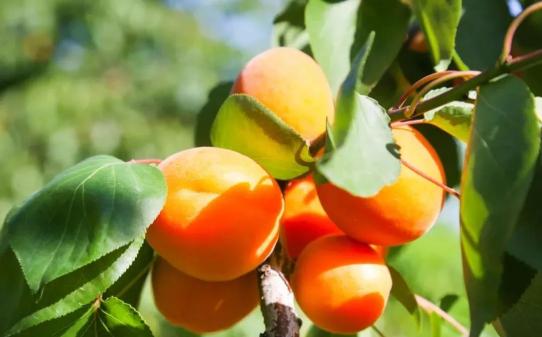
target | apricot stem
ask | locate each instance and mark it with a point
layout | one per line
(518, 63)
(418, 84)
(277, 304)
(430, 307)
(146, 161)
(409, 122)
(510, 33)
(428, 178)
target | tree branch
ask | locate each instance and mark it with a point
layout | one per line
(429, 307)
(277, 304)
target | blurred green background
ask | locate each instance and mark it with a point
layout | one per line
(127, 78)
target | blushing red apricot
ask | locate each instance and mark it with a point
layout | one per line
(221, 216)
(292, 85)
(304, 218)
(202, 306)
(341, 284)
(399, 213)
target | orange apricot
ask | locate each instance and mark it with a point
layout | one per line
(221, 215)
(304, 218)
(342, 285)
(202, 306)
(399, 213)
(292, 85)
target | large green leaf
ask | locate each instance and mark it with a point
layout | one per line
(439, 20)
(245, 125)
(500, 162)
(454, 117)
(289, 26)
(112, 317)
(337, 30)
(481, 32)
(363, 159)
(84, 213)
(69, 293)
(523, 319)
(526, 241)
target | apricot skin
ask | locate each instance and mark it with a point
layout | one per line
(304, 218)
(292, 85)
(399, 213)
(341, 284)
(221, 216)
(202, 306)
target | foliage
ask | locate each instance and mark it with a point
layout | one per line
(127, 78)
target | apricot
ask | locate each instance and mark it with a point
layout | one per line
(292, 85)
(202, 306)
(304, 218)
(221, 215)
(399, 213)
(341, 284)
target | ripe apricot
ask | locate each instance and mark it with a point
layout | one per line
(292, 85)
(304, 218)
(221, 216)
(202, 306)
(399, 213)
(341, 284)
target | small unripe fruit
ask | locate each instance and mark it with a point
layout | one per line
(221, 216)
(341, 284)
(292, 85)
(399, 213)
(304, 218)
(201, 306)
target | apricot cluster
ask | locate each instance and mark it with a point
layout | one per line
(224, 214)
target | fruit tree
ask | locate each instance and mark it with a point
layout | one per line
(314, 172)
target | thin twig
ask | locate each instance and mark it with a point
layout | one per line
(433, 84)
(277, 304)
(409, 122)
(430, 307)
(146, 161)
(412, 89)
(511, 32)
(430, 179)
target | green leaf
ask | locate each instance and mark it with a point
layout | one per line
(454, 117)
(500, 162)
(245, 125)
(289, 26)
(439, 20)
(87, 211)
(111, 317)
(207, 114)
(402, 293)
(523, 319)
(483, 23)
(71, 292)
(362, 161)
(337, 29)
(526, 241)
(129, 287)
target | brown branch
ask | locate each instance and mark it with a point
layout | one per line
(277, 304)
(409, 122)
(430, 308)
(511, 32)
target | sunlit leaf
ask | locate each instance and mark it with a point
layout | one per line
(69, 293)
(439, 20)
(494, 185)
(338, 29)
(363, 160)
(84, 213)
(248, 127)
